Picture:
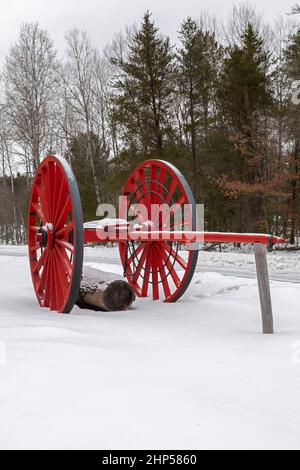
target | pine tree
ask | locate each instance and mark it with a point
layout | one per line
(198, 68)
(143, 89)
(76, 154)
(245, 98)
(245, 86)
(293, 137)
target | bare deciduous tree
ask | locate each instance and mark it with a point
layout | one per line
(295, 10)
(29, 78)
(10, 211)
(79, 77)
(240, 15)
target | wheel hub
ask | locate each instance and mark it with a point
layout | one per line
(46, 236)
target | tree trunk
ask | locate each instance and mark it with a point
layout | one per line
(92, 166)
(294, 195)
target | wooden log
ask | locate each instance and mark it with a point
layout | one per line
(104, 291)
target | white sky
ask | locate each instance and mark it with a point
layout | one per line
(102, 19)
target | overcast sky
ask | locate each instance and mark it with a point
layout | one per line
(103, 18)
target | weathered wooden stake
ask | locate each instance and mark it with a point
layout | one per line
(264, 288)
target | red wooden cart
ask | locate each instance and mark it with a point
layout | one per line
(150, 256)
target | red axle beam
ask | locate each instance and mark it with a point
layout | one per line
(117, 235)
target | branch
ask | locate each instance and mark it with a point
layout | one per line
(295, 10)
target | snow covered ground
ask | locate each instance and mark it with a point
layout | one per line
(191, 375)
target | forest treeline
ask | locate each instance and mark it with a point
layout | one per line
(222, 104)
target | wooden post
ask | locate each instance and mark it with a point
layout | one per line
(264, 288)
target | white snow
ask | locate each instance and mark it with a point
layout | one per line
(277, 261)
(191, 375)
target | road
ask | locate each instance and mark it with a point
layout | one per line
(289, 276)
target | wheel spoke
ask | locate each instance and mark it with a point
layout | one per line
(176, 256)
(145, 286)
(145, 192)
(60, 201)
(40, 262)
(153, 185)
(171, 191)
(51, 186)
(161, 179)
(169, 266)
(153, 176)
(43, 199)
(39, 211)
(48, 284)
(135, 190)
(42, 282)
(135, 254)
(63, 280)
(181, 200)
(35, 247)
(162, 273)
(155, 288)
(65, 213)
(65, 245)
(140, 265)
(65, 230)
(137, 199)
(58, 186)
(65, 259)
(55, 302)
(53, 280)
(57, 285)
(63, 273)
(45, 173)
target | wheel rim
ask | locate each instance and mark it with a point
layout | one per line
(55, 235)
(157, 265)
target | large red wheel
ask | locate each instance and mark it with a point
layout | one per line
(55, 235)
(158, 265)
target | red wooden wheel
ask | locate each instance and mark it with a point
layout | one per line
(157, 265)
(55, 235)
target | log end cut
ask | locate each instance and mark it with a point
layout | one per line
(118, 296)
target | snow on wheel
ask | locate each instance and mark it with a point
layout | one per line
(55, 235)
(157, 265)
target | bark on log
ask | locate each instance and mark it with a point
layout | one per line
(104, 291)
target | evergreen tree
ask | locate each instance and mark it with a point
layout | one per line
(245, 98)
(199, 63)
(77, 155)
(143, 89)
(245, 85)
(293, 136)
